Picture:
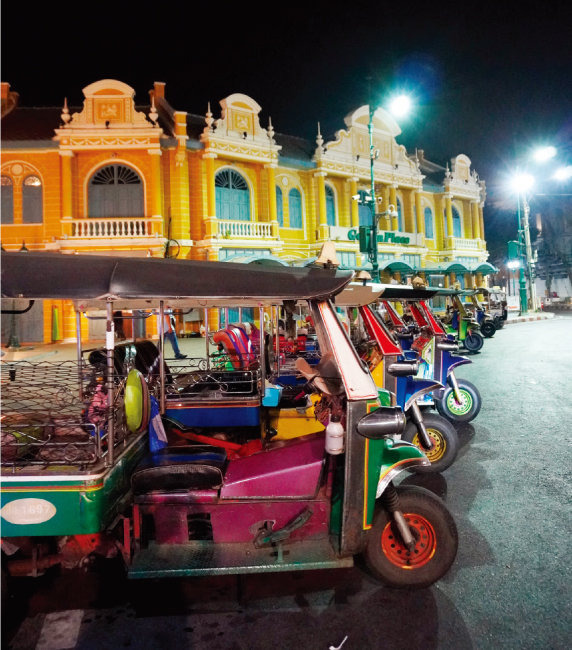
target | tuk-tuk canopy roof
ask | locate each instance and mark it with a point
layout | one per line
(357, 294)
(89, 280)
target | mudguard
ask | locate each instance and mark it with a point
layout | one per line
(385, 459)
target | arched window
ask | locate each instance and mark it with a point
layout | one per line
(330, 206)
(232, 196)
(32, 200)
(400, 225)
(295, 208)
(428, 213)
(457, 230)
(115, 191)
(279, 206)
(364, 211)
(7, 188)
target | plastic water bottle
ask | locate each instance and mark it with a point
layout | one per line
(335, 436)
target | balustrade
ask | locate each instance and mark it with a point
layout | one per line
(118, 228)
(244, 229)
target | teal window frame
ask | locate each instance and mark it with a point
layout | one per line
(295, 208)
(330, 206)
(457, 223)
(429, 223)
(232, 196)
(279, 206)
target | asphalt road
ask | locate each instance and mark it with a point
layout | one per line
(509, 492)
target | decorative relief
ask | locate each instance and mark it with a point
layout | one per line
(18, 171)
(102, 141)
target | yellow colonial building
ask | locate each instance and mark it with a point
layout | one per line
(116, 177)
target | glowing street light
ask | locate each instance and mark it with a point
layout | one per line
(400, 105)
(522, 182)
(544, 154)
(564, 173)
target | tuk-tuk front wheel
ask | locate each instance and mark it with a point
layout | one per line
(488, 328)
(465, 410)
(473, 342)
(435, 535)
(445, 442)
(499, 322)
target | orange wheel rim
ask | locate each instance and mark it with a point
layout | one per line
(425, 543)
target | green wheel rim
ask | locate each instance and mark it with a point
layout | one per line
(461, 408)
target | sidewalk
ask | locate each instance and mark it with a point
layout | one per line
(192, 347)
(531, 316)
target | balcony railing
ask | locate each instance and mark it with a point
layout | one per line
(456, 243)
(117, 228)
(244, 229)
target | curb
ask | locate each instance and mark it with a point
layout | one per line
(527, 319)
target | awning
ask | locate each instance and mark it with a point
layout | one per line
(485, 268)
(445, 267)
(396, 266)
(268, 260)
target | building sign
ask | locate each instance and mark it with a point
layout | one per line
(387, 237)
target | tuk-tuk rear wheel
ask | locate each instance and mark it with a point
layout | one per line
(435, 535)
(444, 437)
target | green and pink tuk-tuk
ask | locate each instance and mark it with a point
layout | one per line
(175, 468)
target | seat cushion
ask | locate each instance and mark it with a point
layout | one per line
(187, 468)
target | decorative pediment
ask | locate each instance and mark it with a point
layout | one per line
(238, 131)
(108, 104)
(461, 180)
(240, 119)
(351, 147)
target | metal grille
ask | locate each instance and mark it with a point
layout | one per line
(53, 414)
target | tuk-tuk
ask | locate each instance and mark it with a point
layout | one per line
(460, 322)
(91, 465)
(404, 382)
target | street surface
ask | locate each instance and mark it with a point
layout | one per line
(509, 491)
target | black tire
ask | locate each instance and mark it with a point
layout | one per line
(436, 541)
(473, 342)
(499, 322)
(469, 408)
(445, 437)
(488, 328)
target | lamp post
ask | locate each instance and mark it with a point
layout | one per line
(400, 105)
(522, 183)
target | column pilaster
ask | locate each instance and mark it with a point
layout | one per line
(354, 204)
(156, 198)
(67, 188)
(476, 226)
(322, 214)
(420, 217)
(272, 209)
(393, 202)
(210, 221)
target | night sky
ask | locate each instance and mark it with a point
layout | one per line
(489, 78)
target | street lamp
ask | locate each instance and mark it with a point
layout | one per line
(399, 106)
(522, 183)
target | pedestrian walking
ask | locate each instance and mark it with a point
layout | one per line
(169, 326)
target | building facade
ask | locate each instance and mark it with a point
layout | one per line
(116, 177)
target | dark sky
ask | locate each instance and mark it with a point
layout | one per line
(489, 77)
